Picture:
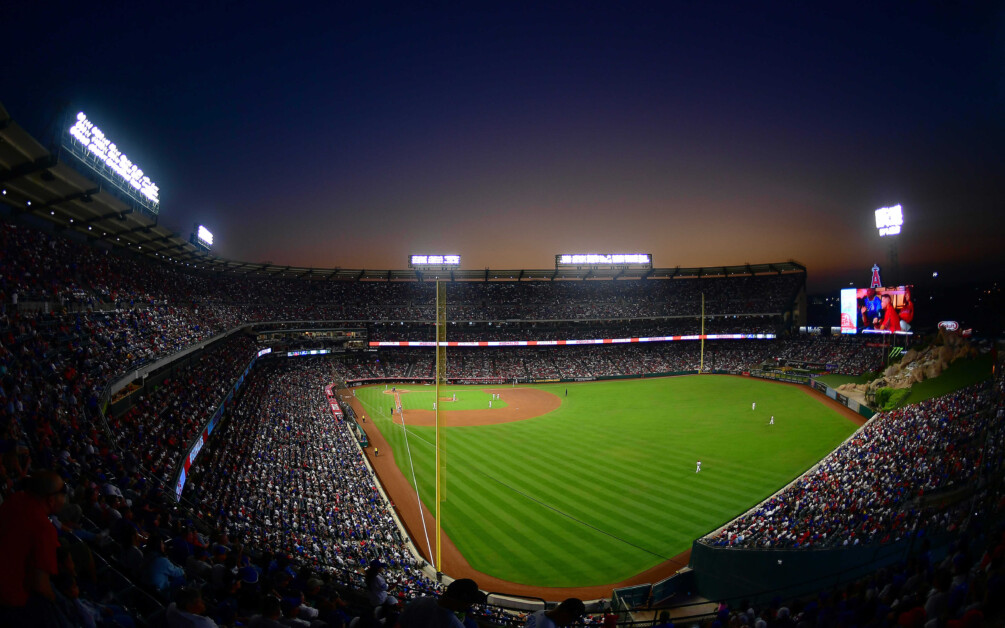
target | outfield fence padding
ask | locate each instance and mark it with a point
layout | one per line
(731, 574)
(627, 598)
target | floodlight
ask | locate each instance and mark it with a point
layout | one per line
(91, 141)
(433, 261)
(205, 235)
(604, 259)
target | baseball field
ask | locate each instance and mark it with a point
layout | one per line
(578, 485)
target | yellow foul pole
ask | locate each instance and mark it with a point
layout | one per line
(701, 365)
(441, 379)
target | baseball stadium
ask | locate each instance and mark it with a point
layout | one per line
(647, 440)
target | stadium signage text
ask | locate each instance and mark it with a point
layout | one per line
(889, 220)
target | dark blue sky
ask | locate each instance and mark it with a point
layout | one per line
(704, 133)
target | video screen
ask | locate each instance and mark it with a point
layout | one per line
(877, 310)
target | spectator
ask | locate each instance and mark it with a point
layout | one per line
(442, 612)
(562, 615)
(188, 611)
(28, 545)
(159, 573)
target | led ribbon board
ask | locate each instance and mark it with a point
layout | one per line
(562, 343)
(90, 144)
(610, 260)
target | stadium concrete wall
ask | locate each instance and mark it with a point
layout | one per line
(731, 574)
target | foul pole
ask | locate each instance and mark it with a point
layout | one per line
(441, 379)
(701, 363)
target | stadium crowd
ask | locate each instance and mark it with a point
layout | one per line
(287, 476)
(642, 328)
(39, 268)
(160, 426)
(569, 362)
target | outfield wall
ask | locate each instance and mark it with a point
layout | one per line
(835, 395)
(731, 574)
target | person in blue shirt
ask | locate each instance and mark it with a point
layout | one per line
(158, 570)
(872, 308)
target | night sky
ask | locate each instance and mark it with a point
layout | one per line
(703, 133)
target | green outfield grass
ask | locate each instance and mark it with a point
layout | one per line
(605, 487)
(959, 374)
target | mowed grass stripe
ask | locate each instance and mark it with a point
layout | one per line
(515, 530)
(526, 532)
(585, 503)
(636, 522)
(582, 504)
(568, 496)
(570, 529)
(576, 496)
(580, 499)
(618, 456)
(564, 504)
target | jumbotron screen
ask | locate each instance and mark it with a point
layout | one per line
(877, 310)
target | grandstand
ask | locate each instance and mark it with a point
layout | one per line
(125, 353)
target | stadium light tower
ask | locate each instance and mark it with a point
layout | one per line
(889, 221)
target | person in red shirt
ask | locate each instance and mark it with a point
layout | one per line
(891, 320)
(907, 311)
(28, 546)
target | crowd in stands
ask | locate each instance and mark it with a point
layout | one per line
(467, 332)
(125, 312)
(288, 477)
(846, 355)
(570, 362)
(59, 271)
(122, 550)
(161, 424)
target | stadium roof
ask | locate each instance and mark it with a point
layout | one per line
(34, 181)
